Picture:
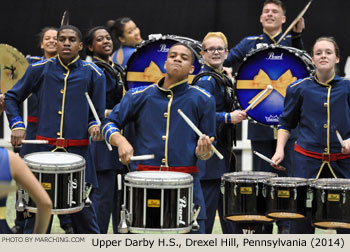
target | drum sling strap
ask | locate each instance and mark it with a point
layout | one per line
(62, 142)
(326, 158)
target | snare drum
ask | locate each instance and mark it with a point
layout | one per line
(331, 203)
(158, 202)
(62, 175)
(286, 197)
(243, 196)
(273, 65)
(146, 65)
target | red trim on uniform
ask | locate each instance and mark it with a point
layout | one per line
(185, 169)
(61, 142)
(322, 156)
(32, 119)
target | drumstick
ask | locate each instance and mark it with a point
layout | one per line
(340, 139)
(33, 141)
(266, 159)
(199, 133)
(269, 87)
(294, 21)
(141, 157)
(92, 107)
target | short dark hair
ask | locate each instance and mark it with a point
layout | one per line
(89, 38)
(41, 34)
(188, 47)
(70, 27)
(277, 2)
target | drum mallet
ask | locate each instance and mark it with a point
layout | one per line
(34, 141)
(268, 160)
(269, 87)
(141, 157)
(92, 107)
(199, 133)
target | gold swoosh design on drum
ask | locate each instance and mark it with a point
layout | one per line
(262, 80)
(152, 73)
(12, 66)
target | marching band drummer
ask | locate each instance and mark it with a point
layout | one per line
(320, 105)
(214, 51)
(128, 36)
(48, 43)
(99, 45)
(263, 138)
(160, 130)
(64, 117)
(13, 167)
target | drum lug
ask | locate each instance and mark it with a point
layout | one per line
(257, 190)
(235, 190)
(344, 197)
(123, 224)
(272, 192)
(295, 193)
(20, 205)
(222, 186)
(195, 225)
(264, 191)
(87, 193)
(323, 196)
(309, 198)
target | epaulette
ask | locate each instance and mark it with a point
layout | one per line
(137, 90)
(42, 62)
(299, 81)
(202, 90)
(35, 57)
(254, 37)
(93, 66)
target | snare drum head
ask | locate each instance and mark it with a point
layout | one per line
(54, 160)
(158, 178)
(247, 176)
(277, 66)
(146, 64)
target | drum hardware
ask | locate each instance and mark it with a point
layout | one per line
(87, 201)
(309, 197)
(195, 225)
(124, 221)
(20, 205)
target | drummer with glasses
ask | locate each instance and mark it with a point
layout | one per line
(220, 86)
(263, 138)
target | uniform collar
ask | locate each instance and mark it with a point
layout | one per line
(329, 82)
(275, 37)
(209, 68)
(176, 87)
(74, 63)
(99, 59)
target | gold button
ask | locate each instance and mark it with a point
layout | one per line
(164, 137)
(166, 115)
(60, 112)
(325, 126)
(163, 160)
(325, 104)
(58, 134)
(325, 149)
(169, 96)
(61, 91)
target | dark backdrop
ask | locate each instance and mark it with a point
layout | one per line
(21, 20)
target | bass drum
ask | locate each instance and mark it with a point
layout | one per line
(273, 65)
(146, 64)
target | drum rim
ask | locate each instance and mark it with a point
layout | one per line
(287, 181)
(303, 57)
(248, 179)
(321, 183)
(182, 179)
(37, 166)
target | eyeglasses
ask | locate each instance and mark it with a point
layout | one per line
(213, 49)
